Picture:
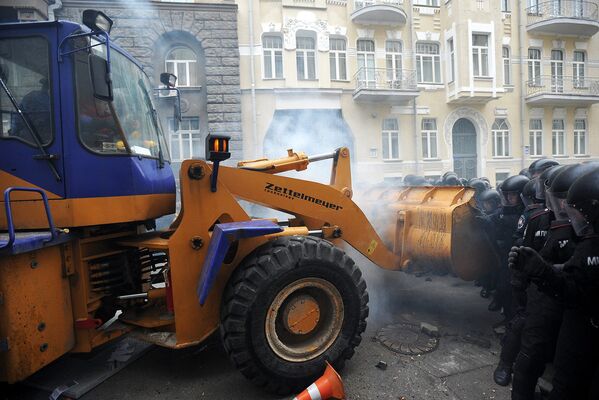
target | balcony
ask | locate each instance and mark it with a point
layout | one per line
(379, 12)
(563, 18)
(381, 85)
(562, 91)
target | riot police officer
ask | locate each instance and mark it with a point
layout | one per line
(576, 283)
(503, 225)
(544, 313)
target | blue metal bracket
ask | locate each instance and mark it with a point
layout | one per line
(222, 237)
(9, 220)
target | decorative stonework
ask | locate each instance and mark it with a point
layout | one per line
(292, 25)
(473, 116)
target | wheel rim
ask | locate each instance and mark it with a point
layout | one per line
(304, 319)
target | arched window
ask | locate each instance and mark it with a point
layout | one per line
(183, 62)
(501, 138)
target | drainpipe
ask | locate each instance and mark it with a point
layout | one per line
(417, 166)
(522, 82)
(56, 6)
(256, 147)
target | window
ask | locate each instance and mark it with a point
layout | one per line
(390, 139)
(578, 65)
(535, 128)
(507, 66)
(306, 57)
(338, 59)
(28, 79)
(533, 7)
(580, 137)
(182, 62)
(366, 71)
(505, 5)
(430, 3)
(428, 62)
(557, 71)
(272, 47)
(501, 138)
(534, 67)
(393, 63)
(451, 60)
(500, 177)
(187, 142)
(480, 54)
(429, 138)
(558, 138)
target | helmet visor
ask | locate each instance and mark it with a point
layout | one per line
(539, 189)
(527, 201)
(580, 224)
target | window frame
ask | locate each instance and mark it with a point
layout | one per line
(579, 69)
(429, 137)
(176, 63)
(452, 69)
(306, 55)
(273, 53)
(180, 132)
(364, 71)
(534, 65)
(335, 56)
(507, 65)
(580, 137)
(394, 74)
(480, 54)
(390, 133)
(558, 134)
(501, 138)
(435, 61)
(534, 134)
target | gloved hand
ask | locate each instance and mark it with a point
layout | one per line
(528, 261)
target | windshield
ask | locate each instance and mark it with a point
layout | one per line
(24, 67)
(129, 123)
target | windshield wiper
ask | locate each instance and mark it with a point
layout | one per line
(34, 134)
(154, 121)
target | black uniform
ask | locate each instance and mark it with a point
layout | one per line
(543, 317)
(577, 352)
(531, 228)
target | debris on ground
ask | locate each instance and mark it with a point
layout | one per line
(381, 365)
(477, 340)
(429, 329)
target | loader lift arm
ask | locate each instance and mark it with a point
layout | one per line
(318, 205)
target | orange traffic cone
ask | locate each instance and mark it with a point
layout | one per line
(328, 386)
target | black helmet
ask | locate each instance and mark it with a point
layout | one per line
(408, 179)
(537, 167)
(451, 180)
(528, 193)
(478, 185)
(418, 181)
(448, 173)
(514, 184)
(492, 197)
(583, 203)
(525, 173)
(559, 183)
(542, 179)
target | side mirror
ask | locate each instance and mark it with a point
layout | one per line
(168, 79)
(101, 81)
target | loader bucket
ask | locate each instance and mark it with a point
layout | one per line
(432, 229)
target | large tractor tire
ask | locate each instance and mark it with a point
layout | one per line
(292, 304)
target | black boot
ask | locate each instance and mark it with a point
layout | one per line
(503, 374)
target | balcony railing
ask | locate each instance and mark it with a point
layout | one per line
(385, 79)
(562, 89)
(563, 17)
(358, 4)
